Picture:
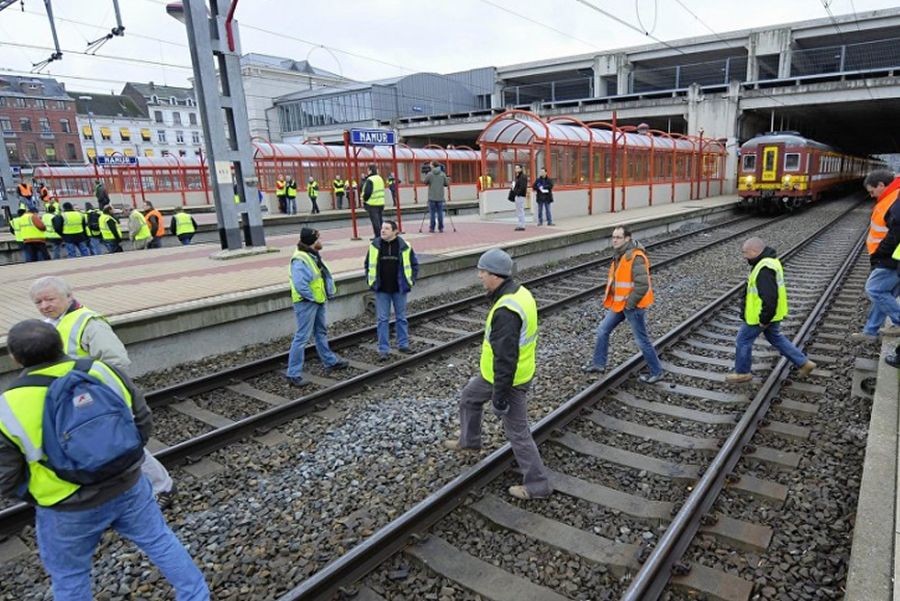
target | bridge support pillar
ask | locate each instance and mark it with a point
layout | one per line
(717, 115)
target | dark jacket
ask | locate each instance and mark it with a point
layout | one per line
(506, 326)
(174, 229)
(520, 185)
(59, 222)
(543, 183)
(766, 286)
(882, 255)
(14, 469)
(392, 252)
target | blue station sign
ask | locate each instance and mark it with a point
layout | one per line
(117, 160)
(373, 137)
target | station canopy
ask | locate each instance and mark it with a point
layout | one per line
(323, 152)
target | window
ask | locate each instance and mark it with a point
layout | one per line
(6, 125)
(64, 126)
(182, 153)
(157, 116)
(176, 118)
(748, 162)
(61, 105)
(50, 151)
(71, 152)
(192, 118)
(12, 151)
(195, 137)
(154, 99)
(25, 124)
(19, 103)
(179, 137)
(40, 104)
(2, 100)
(164, 153)
(31, 151)
(792, 161)
(173, 101)
(45, 124)
(106, 133)
(189, 102)
(125, 134)
(148, 152)
(161, 136)
(145, 134)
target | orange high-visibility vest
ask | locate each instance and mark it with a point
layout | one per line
(619, 283)
(25, 189)
(877, 225)
(160, 229)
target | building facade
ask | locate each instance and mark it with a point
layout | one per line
(38, 122)
(113, 124)
(174, 118)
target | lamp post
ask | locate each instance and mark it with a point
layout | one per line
(90, 115)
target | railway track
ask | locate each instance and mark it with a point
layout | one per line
(636, 468)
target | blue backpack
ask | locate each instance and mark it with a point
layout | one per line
(89, 434)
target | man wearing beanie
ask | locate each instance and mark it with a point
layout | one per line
(311, 286)
(507, 367)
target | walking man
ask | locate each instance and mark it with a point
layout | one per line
(70, 518)
(311, 287)
(883, 283)
(507, 368)
(338, 186)
(765, 305)
(138, 230)
(543, 187)
(109, 231)
(183, 226)
(312, 189)
(628, 294)
(373, 197)
(391, 271)
(436, 180)
(520, 189)
(155, 223)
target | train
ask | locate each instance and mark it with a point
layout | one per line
(783, 171)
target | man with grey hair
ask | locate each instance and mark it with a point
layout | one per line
(86, 333)
(507, 367)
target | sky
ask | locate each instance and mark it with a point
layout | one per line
(348, 37)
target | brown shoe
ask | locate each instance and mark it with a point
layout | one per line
(736, 378)
(806, 369)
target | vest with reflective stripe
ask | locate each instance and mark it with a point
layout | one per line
(105, 231)
(184, 224)
(753, 303)
(280, 189)
(312, 188)
(160, 228)
(16, 225)
(91, 232)
(337, 186)
(50, 234)
(21, 420)
(144, 232)
(71, 327)
(619, 283)
(292, 189)
(28, 230)
(377, 198)
(25, 190)
(73, 222)
(316, 284)
(522, 304)
(877, 225)
(375, 252)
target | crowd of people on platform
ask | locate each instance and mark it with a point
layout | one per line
(45, 228)
(342, 188)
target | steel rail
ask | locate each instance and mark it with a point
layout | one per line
(390, 539)
(651, 580)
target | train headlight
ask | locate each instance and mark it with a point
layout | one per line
(749, 179)
(786, 179)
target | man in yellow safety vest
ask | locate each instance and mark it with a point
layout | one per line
(373, 196)
(183, 226)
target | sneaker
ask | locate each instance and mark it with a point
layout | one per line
(430, 231)
(296, 382)
(165, 499)
(520, 492)
(863, 337)
(651, 379)
(736, 378)
(540, 223)
(341, 364)
(454, 445)
(893, 330)
(593, 369)
(806, 369)
(550, 223)
(383, 357)
(406, 350)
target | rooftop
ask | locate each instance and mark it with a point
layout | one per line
(42, 87)
(109, 105)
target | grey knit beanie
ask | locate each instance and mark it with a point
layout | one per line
(496, 261)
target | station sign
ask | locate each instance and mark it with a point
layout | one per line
(373, 137)
(117, 160)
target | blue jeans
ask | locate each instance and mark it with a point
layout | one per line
(73, 248)
(435, 213)
(54, 247)
(882, 288)
(638, 325)
(544, 207)
(383, 302)
(744, 346)
(67, 541)
(35, 251)
(291, 205)
(310, 320)
(95, 246)
(113, 247)
(185, 239)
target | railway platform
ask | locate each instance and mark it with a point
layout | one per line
(176, 304)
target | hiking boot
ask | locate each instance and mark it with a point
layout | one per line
(805, 369)
(736, 378)
(383, 357)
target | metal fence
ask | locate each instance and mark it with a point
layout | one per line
(550, 91)
(708, 73)
(862, 56)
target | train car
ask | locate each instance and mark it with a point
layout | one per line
(783, 171)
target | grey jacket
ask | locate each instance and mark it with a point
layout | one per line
(437, 180)
(14, 470)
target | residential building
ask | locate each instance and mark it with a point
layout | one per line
(174, 117)
(111, 124)
(38, 122)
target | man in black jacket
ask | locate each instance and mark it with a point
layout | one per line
(507, 367)
(765, 305)
(519, 190)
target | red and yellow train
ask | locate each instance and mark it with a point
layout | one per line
(782, 171)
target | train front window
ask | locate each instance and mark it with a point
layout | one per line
(748, 162)
(792, 161)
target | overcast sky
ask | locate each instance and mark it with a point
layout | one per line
(338, 35)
